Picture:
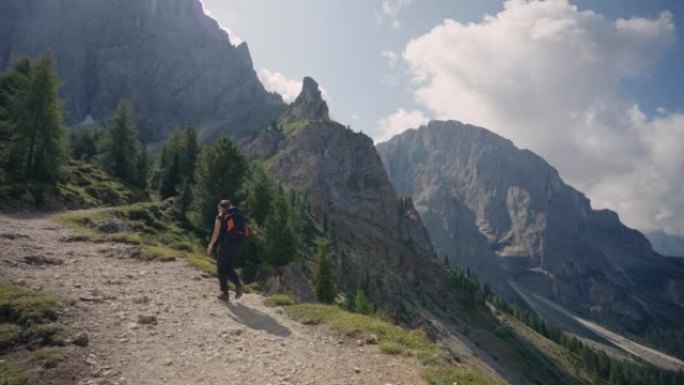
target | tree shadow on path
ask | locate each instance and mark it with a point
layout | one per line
(256, 319)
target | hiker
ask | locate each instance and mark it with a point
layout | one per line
(229, 229)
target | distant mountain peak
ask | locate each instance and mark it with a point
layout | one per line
(506, 214)
(309, 105)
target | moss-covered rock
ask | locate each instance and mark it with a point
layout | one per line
(28, 318)
(20, 306)
(81, 185)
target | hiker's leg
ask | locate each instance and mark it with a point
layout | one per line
(222, 268)
(230, 268)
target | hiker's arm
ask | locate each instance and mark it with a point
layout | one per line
(214, 236)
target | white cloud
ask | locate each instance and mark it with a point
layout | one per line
(234, 39)
(392, 58)
(549, 77)
(289, 89)
(391, 10)
(391, 78)
(277, 82)
(399, 122)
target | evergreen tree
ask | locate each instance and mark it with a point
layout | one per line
(83, 144)
(177, 162)
(281, 241)
(191, 151)
(33, 115)
(362, 304)
(171, 177)
(141, 167)
(325, 276)
(260, 199)
(121, 153)
(185, 197)
(221, 172)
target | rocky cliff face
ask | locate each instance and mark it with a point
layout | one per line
(168, 58)
(506, 213)
(377, 236)
(309, 104)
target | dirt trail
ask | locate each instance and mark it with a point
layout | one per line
(196, 340)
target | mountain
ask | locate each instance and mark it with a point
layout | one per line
(666, 244)
(170, 60)
(378, 237)
(309, 104)
(506, 214)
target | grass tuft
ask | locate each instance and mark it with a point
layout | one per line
(20, 306)
(202, 262)
(160, 253)
(449, 375)
(11, 377)
(392, 339)
(279, 300)
(49, 357)
(10, 334)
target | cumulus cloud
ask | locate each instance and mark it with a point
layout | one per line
(549, 77)
(276, 82)
(391, 10)
(398, 122)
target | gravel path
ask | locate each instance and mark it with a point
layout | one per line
(158, 323)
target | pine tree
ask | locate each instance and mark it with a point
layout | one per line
(83, 144)
(141, 167)
(281, 241)
(191, 151)
(260, 197)
(325, 276)
(171, 177)
(220, 174)
(185, 198)
(177, 162)
(121, 155)
(33, 114)
(362, 304)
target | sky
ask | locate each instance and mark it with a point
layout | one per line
(593, 86)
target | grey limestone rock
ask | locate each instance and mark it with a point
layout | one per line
(309, 104)
(170, 60)
(506, 214)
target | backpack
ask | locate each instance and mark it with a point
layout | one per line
(235, 224)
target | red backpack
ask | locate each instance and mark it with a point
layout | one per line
(234, 224)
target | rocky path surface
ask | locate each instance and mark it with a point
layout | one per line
(159, 323)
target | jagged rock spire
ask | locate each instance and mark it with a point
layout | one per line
(309, 105)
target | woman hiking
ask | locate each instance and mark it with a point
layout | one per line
(229, 229)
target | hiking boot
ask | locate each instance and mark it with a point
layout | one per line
(239, 291)
(223, 296)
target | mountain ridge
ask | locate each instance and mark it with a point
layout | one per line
(505, 212)
(173, 63)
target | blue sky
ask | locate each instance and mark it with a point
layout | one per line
(594, 86)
